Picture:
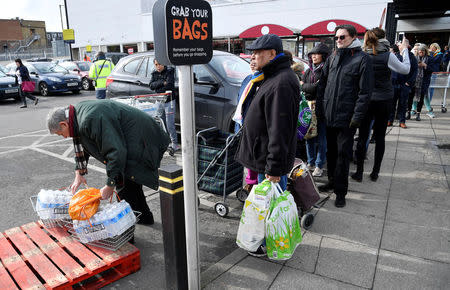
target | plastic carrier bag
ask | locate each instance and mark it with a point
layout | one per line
(84, 204)
(251, 230)
(304, 118)
(283, 233)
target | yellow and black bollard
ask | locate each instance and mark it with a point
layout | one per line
(172, 216)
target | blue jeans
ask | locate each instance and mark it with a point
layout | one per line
(316, 148)
(169, 110)
(283, 180)
(100, 94)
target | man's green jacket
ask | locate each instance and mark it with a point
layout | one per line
(130, 142)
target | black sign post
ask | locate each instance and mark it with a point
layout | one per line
(182, 32)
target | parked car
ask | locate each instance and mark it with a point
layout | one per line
(8, 87)
(81, 69)
(4, 69)
(50, 78)
(216, 85)
(247, 58)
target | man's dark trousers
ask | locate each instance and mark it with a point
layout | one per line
(132, 193)
(400, 103)
(339, 152)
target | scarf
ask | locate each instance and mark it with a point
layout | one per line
(315, 68)
(80, 159)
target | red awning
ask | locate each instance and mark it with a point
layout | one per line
(327, 27)
(258, 30)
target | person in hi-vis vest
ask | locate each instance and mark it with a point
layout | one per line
(101, 69)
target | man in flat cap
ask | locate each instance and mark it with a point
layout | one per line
(269, 138)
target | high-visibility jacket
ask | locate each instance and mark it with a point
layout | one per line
(99, 74)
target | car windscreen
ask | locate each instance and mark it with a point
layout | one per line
(49, 68)
(231, 68)
(2, 74)
(84, 66)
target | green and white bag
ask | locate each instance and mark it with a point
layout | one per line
(252, 224)
(283, 233)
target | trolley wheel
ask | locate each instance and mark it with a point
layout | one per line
(307, 221)
(221, 209)
(242, 194)
(444, 110)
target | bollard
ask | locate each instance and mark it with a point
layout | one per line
(172, 216)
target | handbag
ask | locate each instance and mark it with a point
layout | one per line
(303, 188)
(304, 117)
(28, 86)
(312, 130)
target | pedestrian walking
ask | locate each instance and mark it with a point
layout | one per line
(380, 105)
(422, 80)
(163, 80)
(343, 96)
(434, 64)
(98, 72)
(22, 75)
(128, 141)
(402, 88)
(412, 107)
(316, 147)
(269, 137)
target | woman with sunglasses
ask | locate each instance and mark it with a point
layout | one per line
(382, 96)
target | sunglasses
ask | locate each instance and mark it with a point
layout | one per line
(342, 37)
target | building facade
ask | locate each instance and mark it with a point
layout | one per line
(19, 34)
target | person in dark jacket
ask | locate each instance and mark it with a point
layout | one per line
(163, 79)
(435, 62)
(402, 88)
(128, 141)
(316, 148)
(423, 80)
(343, 95)
(380, 104)
(22, 75)
(269, 137)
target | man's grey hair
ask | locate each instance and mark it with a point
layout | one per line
(55, 116)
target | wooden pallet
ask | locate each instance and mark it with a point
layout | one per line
(34, 257)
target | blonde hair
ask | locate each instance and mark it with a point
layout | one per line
(423, 47)
(435, 45)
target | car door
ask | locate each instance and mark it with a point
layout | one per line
(207, 91)
(125, 82)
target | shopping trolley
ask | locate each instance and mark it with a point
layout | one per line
(440, 80)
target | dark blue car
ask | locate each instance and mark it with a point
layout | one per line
(8, 87)
(51, 78)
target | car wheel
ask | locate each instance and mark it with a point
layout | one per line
(43, 89)
(86, 84)
(76, 92)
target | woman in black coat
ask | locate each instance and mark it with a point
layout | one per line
(22, 75)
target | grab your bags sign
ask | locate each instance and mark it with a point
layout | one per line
(182, 32)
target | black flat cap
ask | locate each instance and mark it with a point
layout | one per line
(267, 41)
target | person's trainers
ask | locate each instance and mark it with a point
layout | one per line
(260, 252)
(374, 176)
(23, 106)
(329, 186)
(36, 101)
(340, 201)
(431, 115)
(418, 117)
(317, 172)
(403, 125)
(310, 167)
(176, 147)
(358, 176)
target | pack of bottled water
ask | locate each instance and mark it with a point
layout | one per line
(53, 204)
(111, 219)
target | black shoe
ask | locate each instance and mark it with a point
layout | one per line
(357, 176)
(340, 201)
(418, 117)
(146, 220)
(408, 115)
(23, 106)
(374, 176)
(329, 186)
(260, 252)
(36, 101)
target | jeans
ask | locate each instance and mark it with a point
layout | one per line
(378, 111)
(169, 110)
(282, 183)
(401, 95)
(100, 94)
(339, 152)
(316, 148)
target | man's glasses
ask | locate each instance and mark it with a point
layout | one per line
(342, 37)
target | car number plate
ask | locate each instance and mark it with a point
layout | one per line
(72, 84)
(11, 91)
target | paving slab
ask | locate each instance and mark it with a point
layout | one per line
(250, 273)
(295, 279)
(306, 254)
(381, 186)
(425, 154)
(419, 241)
(396, 271)
(367, 204)
(347, 262)
(348, 227)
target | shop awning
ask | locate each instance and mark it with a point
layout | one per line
(258, 30)
(327, 27)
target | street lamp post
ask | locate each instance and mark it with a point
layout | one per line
(67, 22)
(60, 13)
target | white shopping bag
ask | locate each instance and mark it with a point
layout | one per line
(252, 224)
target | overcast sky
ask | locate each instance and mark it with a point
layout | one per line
(45, 10)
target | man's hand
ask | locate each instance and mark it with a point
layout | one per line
(106, 191)
(354, 124)
(406, 84)
(79, 179)
(271, 178)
